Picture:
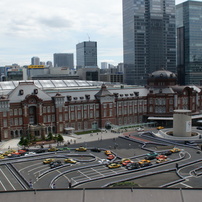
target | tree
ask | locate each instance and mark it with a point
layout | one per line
(50, 136)
(60, 138)
(24, 141)
(21, 142)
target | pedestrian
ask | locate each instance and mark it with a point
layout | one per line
(70, 185)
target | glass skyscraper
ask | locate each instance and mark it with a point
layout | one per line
(86, 54)
(64, 60)
(189, 42)
(149, 38)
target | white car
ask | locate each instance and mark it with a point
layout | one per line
(104, 161)
(140, 129)
(30, 153)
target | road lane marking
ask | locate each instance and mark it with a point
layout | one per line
(7, 179)
(84, 174)
(3, 185)
(39, 171)
(64, 175)
(97, 171)
(29, 166)
(35, 168)
(186, 185)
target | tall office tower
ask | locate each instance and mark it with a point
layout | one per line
(104, 65)
(35, 61)
(86, 54)
(148, 38)
(63, 60)
(189, 42)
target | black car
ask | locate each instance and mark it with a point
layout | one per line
(55, 164)
(166, 153)
(199, 128)
(131, 166)
(150, 157)
(96, 150)
(40, 151)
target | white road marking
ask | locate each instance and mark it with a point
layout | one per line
(35, 168)
(84, 174)
(186, 185)
(2, 185)
(7, 179)
(39, 171)
(29, 166)
(97, 171)
(64, 175)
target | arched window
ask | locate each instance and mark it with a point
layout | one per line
(32, 115)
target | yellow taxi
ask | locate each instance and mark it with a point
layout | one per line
(175, 150)
(52, 149)
(114, 165)
(2, 157)
(81, 149)
(6, 153)
(144, 163)
(69, 160)
(108, 152)
(48, 161)
(160, 127)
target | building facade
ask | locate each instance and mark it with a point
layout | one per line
(189, 42)
(63, 60)
(35, 61)
(149, 40)
(86, 54)
(34, 109)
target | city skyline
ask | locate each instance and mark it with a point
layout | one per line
(42, 28)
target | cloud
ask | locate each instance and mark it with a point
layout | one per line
(56, 22)
(41, 28)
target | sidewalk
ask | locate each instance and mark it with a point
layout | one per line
(13, 143)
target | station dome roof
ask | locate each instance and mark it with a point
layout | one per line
(162, 74)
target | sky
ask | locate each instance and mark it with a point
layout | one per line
(43, 27)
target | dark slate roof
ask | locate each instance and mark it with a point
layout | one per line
(165, 74)
(103, 92)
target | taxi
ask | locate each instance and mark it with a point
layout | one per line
(52, 149)
(81, 149)
(114, 165)
(144, 163)
(160, 127)
(48, 161)
(69, 160)
(175, 150)
(108, 152)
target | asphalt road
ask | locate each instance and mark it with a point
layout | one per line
(88, 172)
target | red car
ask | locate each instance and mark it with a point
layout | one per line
(126, 162)
(110, 157)
(161, 157)
(22, 151)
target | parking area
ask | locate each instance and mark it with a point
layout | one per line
(89, 169)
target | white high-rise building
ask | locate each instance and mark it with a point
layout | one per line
(104, 65)
(35, 61)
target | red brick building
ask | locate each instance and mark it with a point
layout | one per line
(38, 107)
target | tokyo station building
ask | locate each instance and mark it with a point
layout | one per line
(38, 107)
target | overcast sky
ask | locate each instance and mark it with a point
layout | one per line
(43, 27)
